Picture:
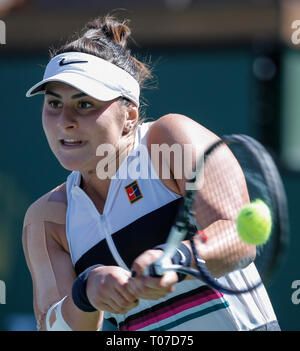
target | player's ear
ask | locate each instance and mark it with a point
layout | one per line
(132, 117)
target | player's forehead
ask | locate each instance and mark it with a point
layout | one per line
(61, 88)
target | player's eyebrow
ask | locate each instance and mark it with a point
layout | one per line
(79, 95)
(49, 92)
(76, 96)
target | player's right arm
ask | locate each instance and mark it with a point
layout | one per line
(47, 254)
(51, 268)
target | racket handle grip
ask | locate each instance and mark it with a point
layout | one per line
(152, 271)
(155, 269)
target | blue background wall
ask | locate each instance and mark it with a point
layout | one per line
(214, 87)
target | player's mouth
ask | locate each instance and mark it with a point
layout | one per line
(72, 143)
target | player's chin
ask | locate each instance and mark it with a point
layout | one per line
(72, 163)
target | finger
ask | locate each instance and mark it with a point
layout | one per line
(150, 293)
(147, 287)
(164, 282)
(120, 300)
(111, 306)
(126, 293)
(128, 307)
(107, 307)
(169, 279)
(144, 260)
(135, 286)
(153, 295)
(138, 288)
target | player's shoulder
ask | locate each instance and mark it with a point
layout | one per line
(170, 120)
(50, 207)
(174, 127)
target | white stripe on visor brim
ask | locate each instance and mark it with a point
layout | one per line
(92, 75)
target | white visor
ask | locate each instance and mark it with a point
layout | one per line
(90, 74)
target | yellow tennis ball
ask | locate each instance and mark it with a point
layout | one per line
(254, 223)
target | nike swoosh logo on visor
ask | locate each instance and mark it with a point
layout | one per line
(62, 62)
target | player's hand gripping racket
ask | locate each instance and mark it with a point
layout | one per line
(231, 186)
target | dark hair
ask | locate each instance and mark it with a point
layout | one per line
(106, 37)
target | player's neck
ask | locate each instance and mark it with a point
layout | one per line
(96, 189)
(96, 182)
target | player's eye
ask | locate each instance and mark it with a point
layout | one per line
(84, 104)
(55, 104)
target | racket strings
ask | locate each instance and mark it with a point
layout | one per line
(216, 208)
(253, 175)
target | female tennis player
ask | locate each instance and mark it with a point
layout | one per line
(88, 241)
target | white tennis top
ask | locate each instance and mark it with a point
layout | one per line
(137, 216)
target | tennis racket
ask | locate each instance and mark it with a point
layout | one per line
(234, 171)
